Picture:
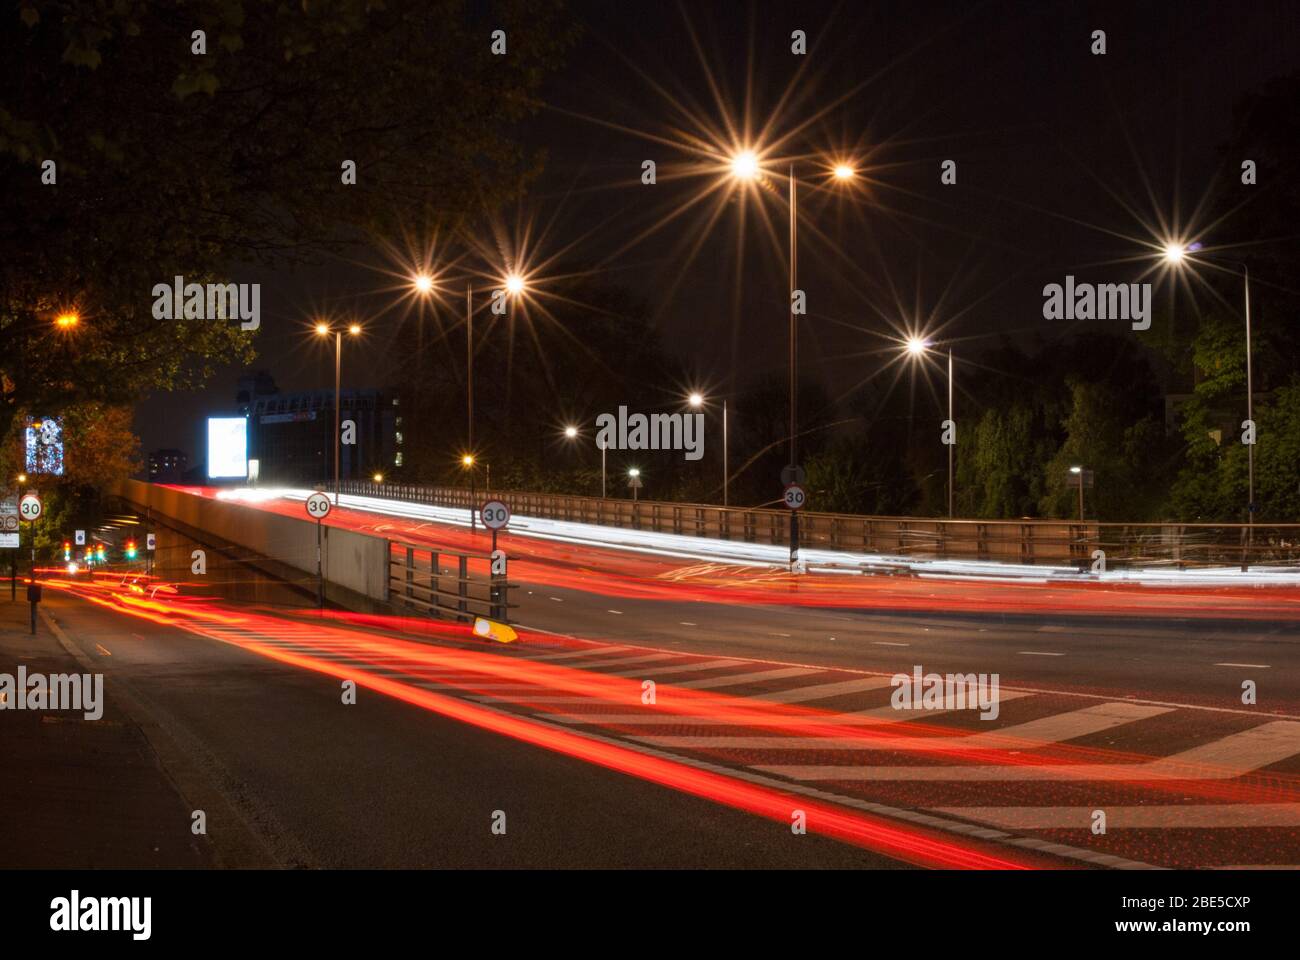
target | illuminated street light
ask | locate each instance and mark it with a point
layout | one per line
(22, 478)
(1175, 254)
(570, 432)
(1078, 472)
(323, 329)
(844, 172)
(695, 400)
(66, 321)
(378, 478)
(467, 460)
(744, 165)
(515, 284)
(422, 282)
(634, 473)
(917, 346)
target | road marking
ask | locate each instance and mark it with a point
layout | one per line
(1025, 736)
(1038, 653)
(103, 650)
(786, 635)
(619, 612)
(624, 661)
(685, 623)
(558, 599)
(890, 643)
(736, 679)
(1251, 666)
(1203, 816)
(873, 717)
(1222, 759)
(657, 672)
(590, 651)
(823, 691)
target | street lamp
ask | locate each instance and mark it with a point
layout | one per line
(1175, 254)
(745, 166)
(635, 475)
(1078, 472)
(696, 400)
(323, 330)
(67, 320)
(917, 347)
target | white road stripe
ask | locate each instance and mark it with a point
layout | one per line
(1200, 815)
(1038, 653)
(872, 717)
(1025, 736)
(753, 676)
(1222, 759)
(654, 673)
(823, 691)
(1249, 666)
(589, 652)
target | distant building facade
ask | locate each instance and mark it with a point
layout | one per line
(291, 435)
(168, 465)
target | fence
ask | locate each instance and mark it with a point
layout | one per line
(446, 583)
(1013, 541)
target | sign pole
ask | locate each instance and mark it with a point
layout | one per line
(320, 579)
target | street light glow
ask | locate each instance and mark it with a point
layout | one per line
(695, 400)
(1174, 253)
(634, 472)
(422, 282)
(467, 460)
(844, 172)
(354, 329)
(322, 329)
(570, 432)
(744, 165)
(378, 478)
(1076, 469)
(514, 284)
(916, 346)
(67, 321)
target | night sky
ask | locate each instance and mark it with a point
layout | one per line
(1061, 154)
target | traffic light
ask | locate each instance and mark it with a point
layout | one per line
(67, 551)
(99, 552)
(130, 549)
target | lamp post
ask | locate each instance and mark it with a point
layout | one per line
(1078, 472)
(746, 165)
(1176, 255)
(696, 400)
(917, 346)
(324, 330)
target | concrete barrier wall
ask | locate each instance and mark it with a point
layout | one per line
(356, 561)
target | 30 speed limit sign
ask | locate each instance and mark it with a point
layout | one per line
(495, 514)
(318, 506)
(30, 507)
(794, 496)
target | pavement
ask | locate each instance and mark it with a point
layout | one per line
(80, 793)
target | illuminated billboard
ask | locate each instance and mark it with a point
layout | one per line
(45, 446)
(227, 448)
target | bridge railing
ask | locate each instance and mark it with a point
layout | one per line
(1012, 541)
(446, 583)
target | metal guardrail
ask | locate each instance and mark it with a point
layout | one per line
(1177, 545)
(445, 583)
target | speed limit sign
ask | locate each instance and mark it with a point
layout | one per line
(495, 514)
(318, 506)
(794, 496)
(30, 507)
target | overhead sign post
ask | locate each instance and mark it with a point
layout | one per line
(318, 508)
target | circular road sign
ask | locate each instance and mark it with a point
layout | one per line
(495, 514)
(318, 506)
(794, 496)
(30, 507)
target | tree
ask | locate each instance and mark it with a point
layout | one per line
(169, 162)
